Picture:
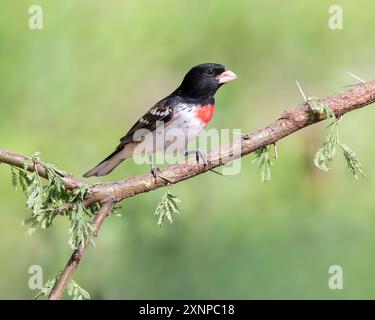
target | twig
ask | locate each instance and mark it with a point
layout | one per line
(77, 255)
(17, 160)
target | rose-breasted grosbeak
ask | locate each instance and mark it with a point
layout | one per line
(189, 108)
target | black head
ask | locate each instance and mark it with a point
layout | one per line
(203, 80)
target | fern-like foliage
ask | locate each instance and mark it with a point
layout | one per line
(263, 159)
(327, 150)
(352, 161)
(116, 211)
(46, 290)
(14, 177)
(77, 292)
(44, 197)
(74, 290)
(167, 207)
(81, 227)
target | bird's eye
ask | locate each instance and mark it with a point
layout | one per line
(210, 72)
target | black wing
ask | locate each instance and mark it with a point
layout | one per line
(161, 111)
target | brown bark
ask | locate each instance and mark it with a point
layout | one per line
(77, 255)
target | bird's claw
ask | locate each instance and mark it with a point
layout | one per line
(155, 171)
(199, 154)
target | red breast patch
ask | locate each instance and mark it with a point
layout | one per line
(205, 113)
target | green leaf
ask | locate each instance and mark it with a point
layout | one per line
(167, 207)
(46, 290)
(327, 150)
(317, 106)
(14, 177)
(76, 291)
(44, 197)
(81, 227)
(264, 162)
(115, 211)
(352, 161)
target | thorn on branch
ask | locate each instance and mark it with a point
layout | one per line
(356, 77)
(302, 93)
(307, 99)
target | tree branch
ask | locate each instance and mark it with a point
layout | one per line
(77, 255)
(109, 194)
(290, 121)
(18, 161)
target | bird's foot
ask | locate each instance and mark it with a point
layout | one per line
(201, 155)
(155, 171)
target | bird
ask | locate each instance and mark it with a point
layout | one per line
(189, 109)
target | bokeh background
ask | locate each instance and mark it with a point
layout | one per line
(72, 89)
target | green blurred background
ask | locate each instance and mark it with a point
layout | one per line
(72, 89)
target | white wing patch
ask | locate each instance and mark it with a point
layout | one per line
(160, 113)
(143, 120)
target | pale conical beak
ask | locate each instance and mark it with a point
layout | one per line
(226, 76)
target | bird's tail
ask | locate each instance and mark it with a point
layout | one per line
(111, 162)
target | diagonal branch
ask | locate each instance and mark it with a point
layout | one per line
(109, 194)
(77, 255)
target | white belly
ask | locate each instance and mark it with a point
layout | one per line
(174, 136)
